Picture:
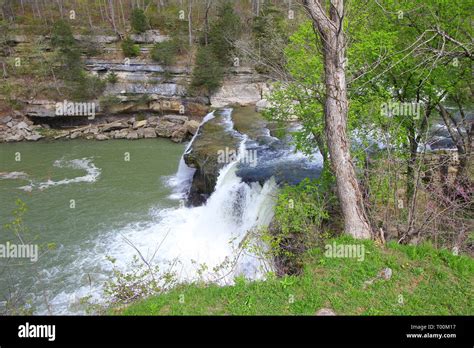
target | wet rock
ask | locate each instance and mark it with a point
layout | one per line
(191, 126)
(179, 135)
(204, 157)
(34, 137)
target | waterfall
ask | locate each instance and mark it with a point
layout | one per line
(182, 180)
(196, 243)
(209, 234)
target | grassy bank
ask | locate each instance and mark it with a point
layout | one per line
(424, 281)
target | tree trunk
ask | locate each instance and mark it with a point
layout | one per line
(333, 42)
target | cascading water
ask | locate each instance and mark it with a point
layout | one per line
(192, 239)
(181, 182)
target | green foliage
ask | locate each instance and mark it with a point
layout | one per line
(165, 52)
(112, 78)
(207, 73)
(139, 21)
(301, 208)
(212, 59)
(106, 102)
(62, 35)
(19, 233)
(430, 283)
(85, 87)
(67, 51)
(129, 48)
(143, 281)
(224, 32)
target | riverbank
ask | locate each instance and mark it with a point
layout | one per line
(421, 280)
(178, 128)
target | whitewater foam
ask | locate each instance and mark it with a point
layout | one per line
(86, 164)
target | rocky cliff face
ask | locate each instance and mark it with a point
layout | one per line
(142, 90)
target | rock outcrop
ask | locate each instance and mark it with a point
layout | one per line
(204, 157)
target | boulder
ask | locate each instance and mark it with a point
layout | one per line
(22, 125)
(165, 129)
(114, 126)
(196, 109)
(132, 135)
(101, 137)
(121, 134)
(76, 135)
(139, 124)
(149, 133)
(191, 126)
(10, 124)
(14, 138)
(176, 118)
(5, 119)
(34, 137)
(261, 105)
(179, 135)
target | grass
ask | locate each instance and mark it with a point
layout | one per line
(430, 282)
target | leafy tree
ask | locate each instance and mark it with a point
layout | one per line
(139, 21)
(224, 32)
(165, 52)
(270, 33)
(207, 73)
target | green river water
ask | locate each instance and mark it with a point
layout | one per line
(77, 192)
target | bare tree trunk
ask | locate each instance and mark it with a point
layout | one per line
(124, 23)
(89, 16)
(190, 31)
(206, 22)
(112, 15)
(329, 26)
(60, 6)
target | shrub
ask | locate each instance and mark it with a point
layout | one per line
(164, 52)
(112, 77)
(107, 102)
(85, 87)
(129, 48)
